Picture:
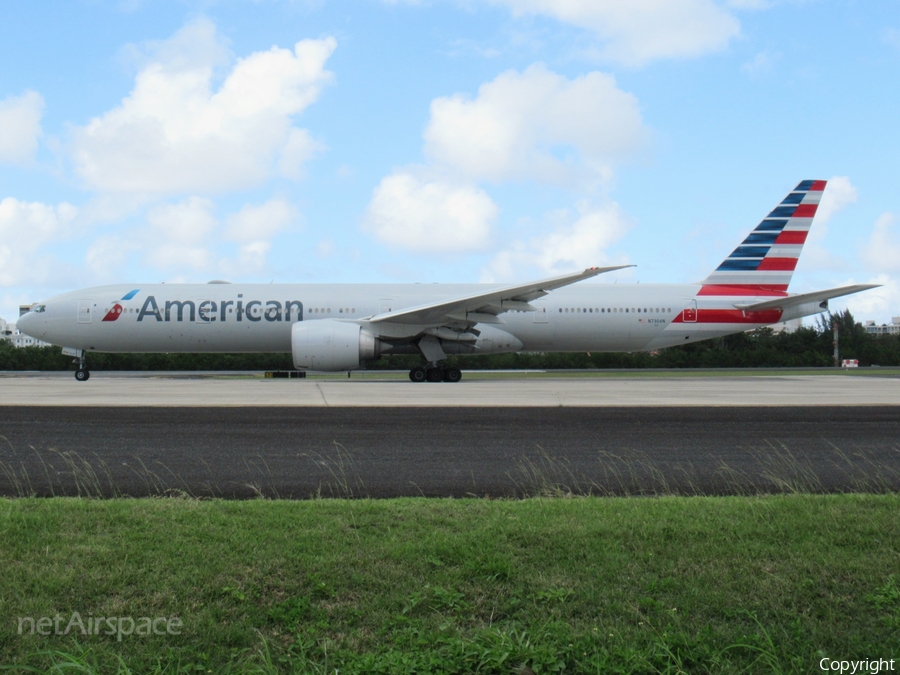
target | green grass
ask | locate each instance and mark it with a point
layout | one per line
(579, 585)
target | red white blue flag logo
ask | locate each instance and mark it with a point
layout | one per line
(117, 308)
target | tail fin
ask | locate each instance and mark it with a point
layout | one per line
(764, 263)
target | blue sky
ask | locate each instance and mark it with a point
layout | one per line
(441, 140)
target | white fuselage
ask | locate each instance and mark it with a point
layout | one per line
(258, 317)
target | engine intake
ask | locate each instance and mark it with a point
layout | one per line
(330, 344)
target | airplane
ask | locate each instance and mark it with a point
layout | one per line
(338, 327)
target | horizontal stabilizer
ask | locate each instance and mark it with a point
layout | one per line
(803, 298)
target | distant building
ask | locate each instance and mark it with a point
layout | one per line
(787, 326)
(22, 340)
(892, 328)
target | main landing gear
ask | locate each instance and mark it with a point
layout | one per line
(435, 373)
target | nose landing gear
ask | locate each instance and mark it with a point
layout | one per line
(82, 374)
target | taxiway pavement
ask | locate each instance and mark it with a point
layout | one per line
(296, 451)
(109, 389)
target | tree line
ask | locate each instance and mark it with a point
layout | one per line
(810, 346)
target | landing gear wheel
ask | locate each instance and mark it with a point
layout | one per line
(417, 374)
(434, 375)
(82, 374)
(452, 374)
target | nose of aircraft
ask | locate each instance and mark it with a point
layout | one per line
(29, 324)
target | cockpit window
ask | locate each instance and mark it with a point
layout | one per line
(39, 308)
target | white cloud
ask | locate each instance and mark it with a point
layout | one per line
(107, 257)
(759, 64)
(878, 304)
(25, 227)
(186, 238)
(20, 127)
(430, 215)
(176, 257)
(881, 253)
(180, 236)
(891, 36)
(571, 245)
(188, 221)
(749, 4)
(325, 248)
(175, 134)
(839, 193)
(468, 47)
(260, 222)
(638, 31)
(251, 259)
(536, 125)
(299, 149)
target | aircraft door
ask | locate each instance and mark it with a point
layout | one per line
(84, 311)
(541, 315)
(690, 311)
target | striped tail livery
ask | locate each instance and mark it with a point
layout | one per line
(749, 288)
(764, 262)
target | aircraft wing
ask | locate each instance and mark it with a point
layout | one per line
(485, 306)
(803, 298)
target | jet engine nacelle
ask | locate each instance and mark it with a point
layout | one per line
(329, 344)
